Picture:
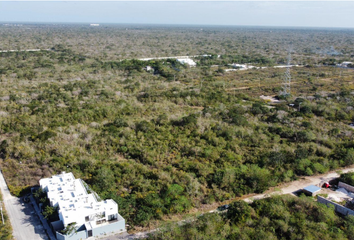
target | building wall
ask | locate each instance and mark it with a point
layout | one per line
(114, 227)
(75, 236)
(109, 228)
(346, 186)
(309, 193)
(338, 208)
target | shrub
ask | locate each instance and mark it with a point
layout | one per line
(239, 211)
(44, 136)
(308, 172)
(347, 178)
(305, 136)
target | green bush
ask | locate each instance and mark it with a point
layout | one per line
(277, 217)
(347, 178)
(44, 136)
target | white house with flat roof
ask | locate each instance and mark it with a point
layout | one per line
(80, 206)
(344, 64)
(187, 61)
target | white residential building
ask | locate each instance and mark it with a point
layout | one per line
(239, 66)
(91, 215)
(149, 68)
(187, 61)
(345, 64)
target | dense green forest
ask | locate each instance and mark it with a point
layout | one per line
(167, 141)
(279, 217)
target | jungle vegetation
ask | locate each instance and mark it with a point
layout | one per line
(174, 139)
(279, 217)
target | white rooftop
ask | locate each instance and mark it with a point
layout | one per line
(188, 61)
(242, 66)
(75, 204)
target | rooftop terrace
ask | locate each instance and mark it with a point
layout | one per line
(74, 202)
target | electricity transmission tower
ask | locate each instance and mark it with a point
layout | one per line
(287, 78)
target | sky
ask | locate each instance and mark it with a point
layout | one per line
(245, 13)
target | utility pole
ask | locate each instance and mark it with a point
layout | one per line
(2, 216)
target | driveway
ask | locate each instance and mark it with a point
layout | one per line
(124, 236)
(25, 223)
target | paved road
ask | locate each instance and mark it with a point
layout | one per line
(24, 221)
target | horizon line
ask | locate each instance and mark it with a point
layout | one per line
(172, 24)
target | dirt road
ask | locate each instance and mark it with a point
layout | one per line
(26, 50)
(287, 188)
(294, 186)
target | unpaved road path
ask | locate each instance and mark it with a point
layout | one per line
(26, 50)
(287, 188)
(294, 186)
(25, 223)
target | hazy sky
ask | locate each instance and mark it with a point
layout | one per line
(308, 14)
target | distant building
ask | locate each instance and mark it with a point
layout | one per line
(90, 215)
(94, 25)
(239, 66)
(344, 64)
(149, 68)
(187, 61)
